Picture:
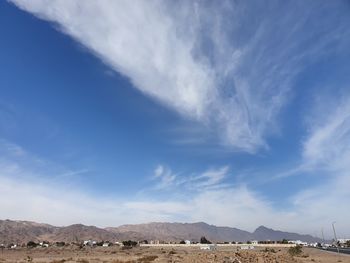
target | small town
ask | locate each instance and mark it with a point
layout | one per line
(203, 244)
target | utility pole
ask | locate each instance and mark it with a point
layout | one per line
(335, 236)
(323, 237)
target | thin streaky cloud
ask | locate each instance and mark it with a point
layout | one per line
(212, 178)
(219, 203)
(202, 74)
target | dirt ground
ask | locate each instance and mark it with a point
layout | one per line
(168, 255)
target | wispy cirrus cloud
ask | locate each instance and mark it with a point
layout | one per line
(165, 176)
(326, 152)
(324, 158)
(210, 62)
(328, 142)
(31, 192)
(211, 178)
(31, 197)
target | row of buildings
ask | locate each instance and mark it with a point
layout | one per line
(94, 243)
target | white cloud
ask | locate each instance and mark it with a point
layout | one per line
(211, 178)
(165, 176)
(326, 160)
(327, 151)
(31, 194)
(56, 203)
(328, 143)
(210, 200)
(209, 62)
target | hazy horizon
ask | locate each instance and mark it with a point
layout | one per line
(121, 112)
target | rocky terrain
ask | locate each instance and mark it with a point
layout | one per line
(23, 231)
(73, 254)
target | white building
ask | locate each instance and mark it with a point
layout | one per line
(90, 243)
(208, 247)
(246, 247)
(187, 242)
(343, 240)
(299, 242)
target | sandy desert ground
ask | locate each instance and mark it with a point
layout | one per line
(147, 255)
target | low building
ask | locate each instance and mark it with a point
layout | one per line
(208, 247)
(298, 242)
(89, 243)
(343, 240)
(246, 247)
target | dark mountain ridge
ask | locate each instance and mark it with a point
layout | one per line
(23, 231)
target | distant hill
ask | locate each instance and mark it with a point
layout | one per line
(19, 231)
(183, 231)
(194, 231)
(24, 231)
(264, 233)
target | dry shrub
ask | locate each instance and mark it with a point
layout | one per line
(58, 261)
(295, 251)
(269, 250)
(122, 261)
(147, 259)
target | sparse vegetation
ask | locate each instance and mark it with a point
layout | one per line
(60, 244)
(203, 240)
(284, 241)
(295, 251)
(122, 261)
(174, 254)
(31, 244)
(147, 259)
(129, 243)
(58, 261)
(271, 250)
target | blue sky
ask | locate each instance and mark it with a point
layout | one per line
(235, 114)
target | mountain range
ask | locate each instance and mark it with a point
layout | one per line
(23, 231)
